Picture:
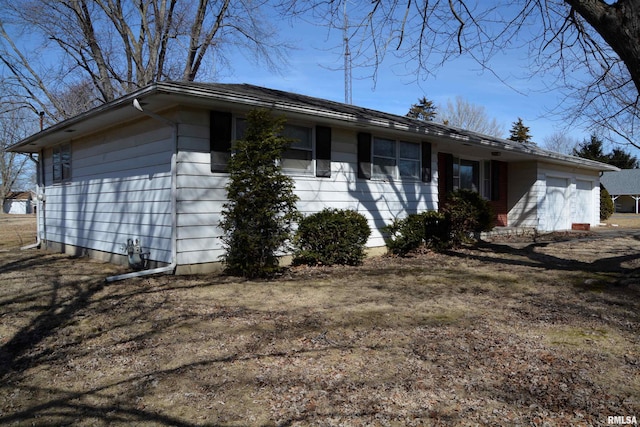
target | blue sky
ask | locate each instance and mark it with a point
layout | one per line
(315, 69)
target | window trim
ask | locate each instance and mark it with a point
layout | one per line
(486, 175)
(58, 162)
(311, 170)
(396, 160)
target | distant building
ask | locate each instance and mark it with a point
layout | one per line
(18, 202)
(624, 187)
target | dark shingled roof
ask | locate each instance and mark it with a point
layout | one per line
(622, 183)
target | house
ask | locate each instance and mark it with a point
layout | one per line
(150, 167)
(18, 202)
(624, 188)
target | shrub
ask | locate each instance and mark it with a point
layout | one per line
(606, 204)
(408, 234)
(332, 236)
(258, 218)
(467, 214)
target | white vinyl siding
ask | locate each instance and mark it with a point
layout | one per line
(120, 188)
(552, 197)
(201, 193)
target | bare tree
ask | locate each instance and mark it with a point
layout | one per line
(15, 169)
(105, 48)
(566, 40)
(463, 114)
(560, 142)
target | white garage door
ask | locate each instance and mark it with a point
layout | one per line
(557, 208)
(584, 202)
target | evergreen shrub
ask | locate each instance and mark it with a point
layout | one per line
(332, 236)
(258, 219)
(428, 228)
(467, 214)
(606, 204)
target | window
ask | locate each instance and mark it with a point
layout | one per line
(466, 174)
(298, 157)
(61, 160)
(486, 180)
(393, 159)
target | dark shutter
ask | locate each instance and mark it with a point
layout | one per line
(426, 162)
(220, 140)
(364, 155)
(323, 151)
(495, 180)
(449, 173)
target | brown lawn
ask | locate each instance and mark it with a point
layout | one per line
(511, 332)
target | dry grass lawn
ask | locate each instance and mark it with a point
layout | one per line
(510, 332)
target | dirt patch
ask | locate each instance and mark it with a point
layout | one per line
(520, 332)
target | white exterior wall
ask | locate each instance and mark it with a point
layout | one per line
(530, 204)
(523, 195)
(574, 208)
(119, 188)
(201, 193)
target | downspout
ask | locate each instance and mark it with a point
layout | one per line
(174, 190)
(39, 198)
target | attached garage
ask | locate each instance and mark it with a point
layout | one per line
(583, 209)
(556, 205)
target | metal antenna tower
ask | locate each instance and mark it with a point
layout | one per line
(347, 58)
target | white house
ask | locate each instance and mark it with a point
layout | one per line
(156, 173)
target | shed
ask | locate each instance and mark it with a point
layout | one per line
(150, 167)
(18, 203)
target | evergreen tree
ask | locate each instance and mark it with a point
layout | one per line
(520, 133)
(423, 110)
(622, 159)
(258, 218)
(591, 149)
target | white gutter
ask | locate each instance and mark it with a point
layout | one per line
(174, 190)
(39, 197)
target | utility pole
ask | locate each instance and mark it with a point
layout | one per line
(347, 59)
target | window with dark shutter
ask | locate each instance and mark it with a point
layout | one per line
(323, 151)
(220, 140)
(364, 155)
(426, 162)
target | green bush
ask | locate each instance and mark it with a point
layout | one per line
(467, 214)
(606, 204)
(408, 234)
(332, 236)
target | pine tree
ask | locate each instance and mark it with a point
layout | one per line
(423, 110)
(520, 133)
(591, 149)
(258, 218)
(622, 159)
